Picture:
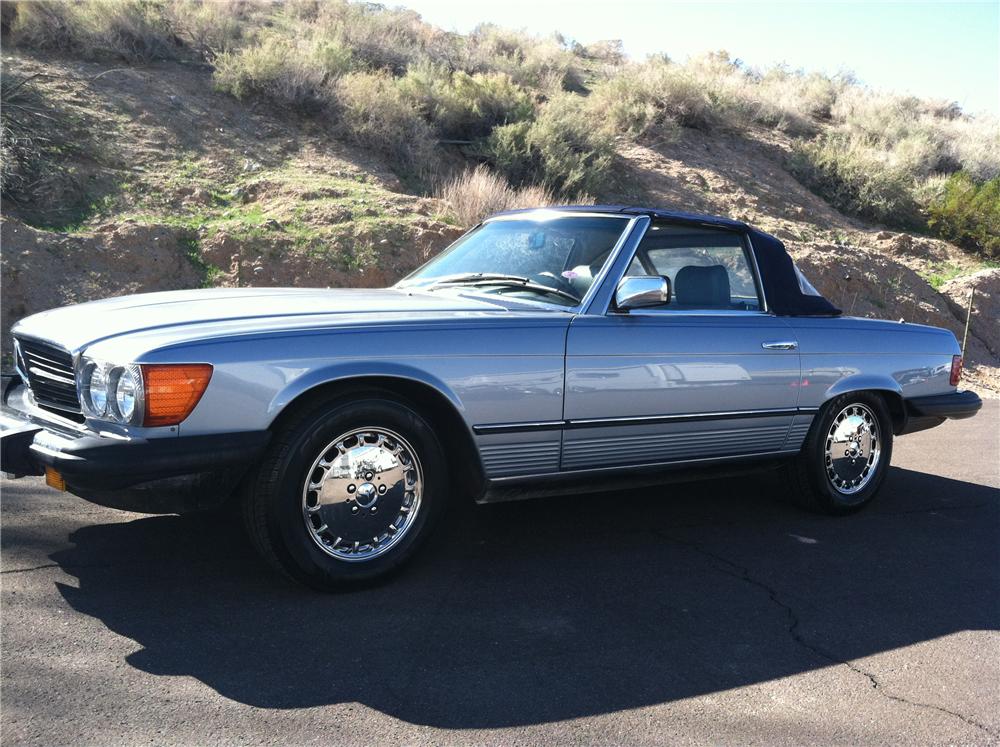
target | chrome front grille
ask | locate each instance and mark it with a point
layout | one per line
(51, 378)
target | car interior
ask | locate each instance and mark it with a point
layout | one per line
(707, 269)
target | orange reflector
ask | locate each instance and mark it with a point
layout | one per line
(54, 480)
(172, 390)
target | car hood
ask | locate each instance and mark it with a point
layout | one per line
(76, 327)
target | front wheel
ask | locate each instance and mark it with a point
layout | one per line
(347, 492)
(845, 457)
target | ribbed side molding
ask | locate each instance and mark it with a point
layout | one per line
(798, 431)
(520, 459)
(690, 417)
(599, 452)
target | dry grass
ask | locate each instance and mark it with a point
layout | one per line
(211, 27)
(478, 192)
(132, 30)
(711, 91)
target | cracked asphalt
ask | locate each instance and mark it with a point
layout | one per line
(693, 613)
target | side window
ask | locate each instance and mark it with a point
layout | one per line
(707, 269)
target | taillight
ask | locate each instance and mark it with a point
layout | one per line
(956, 370)
(172, 390)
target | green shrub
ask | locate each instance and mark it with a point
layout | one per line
(654, 97)
(968, 213)
(560, 150)
(133, 30)
(209, 27)
(507, 147)
(624, 103)
(373, 113)
(940, 274)
(380, 38)
(791, 101)
(889, 155)
(710, 91)
(281, 70)
(609, 51)
(464, 106)
(857, 179)
(545, 63)
(975, 144)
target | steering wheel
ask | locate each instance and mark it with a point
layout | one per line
(598, 263)
(560, 282)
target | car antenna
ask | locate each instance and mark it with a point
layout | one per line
(968, 319)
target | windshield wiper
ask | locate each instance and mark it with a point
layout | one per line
(475, 279)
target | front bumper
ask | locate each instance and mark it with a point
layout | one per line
(162, 475)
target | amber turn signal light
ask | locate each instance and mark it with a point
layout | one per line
(54, 480)
(956, 370)
(172, 390)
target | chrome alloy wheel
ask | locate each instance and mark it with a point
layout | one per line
(853, 447)
(362, 494)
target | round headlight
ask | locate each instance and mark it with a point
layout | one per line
(96, 389)
(125, 390)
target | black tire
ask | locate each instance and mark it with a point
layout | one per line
(811, 486)
(273, 497)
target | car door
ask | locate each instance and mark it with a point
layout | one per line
(709, 375)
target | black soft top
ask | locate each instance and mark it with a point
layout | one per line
(785, 294)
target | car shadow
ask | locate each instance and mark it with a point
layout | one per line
(532, 612)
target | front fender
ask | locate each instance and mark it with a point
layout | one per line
(342, 371)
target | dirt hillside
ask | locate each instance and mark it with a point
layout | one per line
(182, 186)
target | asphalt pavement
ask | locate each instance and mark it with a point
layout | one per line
(690, 613)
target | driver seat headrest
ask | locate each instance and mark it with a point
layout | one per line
(697, 285)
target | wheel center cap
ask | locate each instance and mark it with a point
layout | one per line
(367, 495)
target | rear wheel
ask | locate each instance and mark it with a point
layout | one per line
(846, 455)
(347, 492)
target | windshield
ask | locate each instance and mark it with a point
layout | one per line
(550, 258)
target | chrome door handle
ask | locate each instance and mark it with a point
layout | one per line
(780, 345)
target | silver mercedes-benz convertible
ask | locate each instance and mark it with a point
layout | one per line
(550, 350)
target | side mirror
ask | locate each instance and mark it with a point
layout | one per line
(642, 291)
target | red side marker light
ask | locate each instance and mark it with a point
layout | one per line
(956, 370)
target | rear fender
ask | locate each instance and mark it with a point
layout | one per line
(890, 389)
(863, 382)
